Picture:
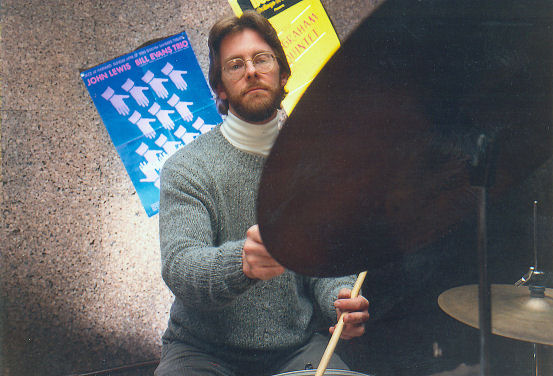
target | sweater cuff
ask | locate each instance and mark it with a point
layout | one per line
(235, 279)
(340, 283)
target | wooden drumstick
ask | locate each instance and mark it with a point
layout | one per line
(338, 329)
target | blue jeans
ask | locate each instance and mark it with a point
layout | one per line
(179, 359)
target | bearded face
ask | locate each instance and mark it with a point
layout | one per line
(255, 96)
(257, 103)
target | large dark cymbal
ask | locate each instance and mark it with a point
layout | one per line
(514, 313)
(373, 161)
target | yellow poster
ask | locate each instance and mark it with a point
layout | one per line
(306, 34)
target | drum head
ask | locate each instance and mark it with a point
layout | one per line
(328, 372)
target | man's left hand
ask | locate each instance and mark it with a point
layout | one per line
(357, 313)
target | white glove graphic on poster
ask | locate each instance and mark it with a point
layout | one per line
(175, 76)
(185, 136)
(144, 124)
(181, 107)
(200, 125)
(169, 146)
(152, 101)
(137, 92)
(162, 116)
(117, 100)
(156, 84)
(150, 173)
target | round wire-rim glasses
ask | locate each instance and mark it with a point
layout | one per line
(263, 62)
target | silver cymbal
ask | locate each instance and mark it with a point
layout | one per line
(515, 314)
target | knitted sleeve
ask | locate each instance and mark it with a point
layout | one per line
(197, 271)
(325, 292)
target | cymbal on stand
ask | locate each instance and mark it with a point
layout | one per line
(515, 314)
(372, 162)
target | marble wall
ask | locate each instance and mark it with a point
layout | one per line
(80, 271)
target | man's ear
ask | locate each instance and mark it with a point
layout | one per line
(221, 93)
(283, 79)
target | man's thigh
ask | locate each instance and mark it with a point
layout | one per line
(183, 360)
(310, 355)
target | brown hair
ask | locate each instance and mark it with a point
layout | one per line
(248, 20)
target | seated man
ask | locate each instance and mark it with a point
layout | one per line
(237, 311)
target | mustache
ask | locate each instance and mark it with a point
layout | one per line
(254, 86)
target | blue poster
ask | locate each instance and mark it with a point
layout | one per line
(152, 101)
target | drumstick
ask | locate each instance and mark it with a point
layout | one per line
(338, 329)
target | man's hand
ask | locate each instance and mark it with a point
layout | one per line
(357, 313)
(257, 263)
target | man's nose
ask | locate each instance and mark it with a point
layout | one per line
(250, 68)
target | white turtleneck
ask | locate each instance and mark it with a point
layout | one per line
(248, 137)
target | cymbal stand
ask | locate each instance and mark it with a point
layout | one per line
(480, 176)
(536, 282)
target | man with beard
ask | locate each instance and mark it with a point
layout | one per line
(237, 311)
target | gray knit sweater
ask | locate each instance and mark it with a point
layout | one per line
(208, 196)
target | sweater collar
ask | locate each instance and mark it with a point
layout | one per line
(248, 137)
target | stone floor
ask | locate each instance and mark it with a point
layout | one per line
(81, 289)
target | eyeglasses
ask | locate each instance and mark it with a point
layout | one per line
(236, 68)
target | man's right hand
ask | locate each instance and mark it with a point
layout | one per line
(257, 263)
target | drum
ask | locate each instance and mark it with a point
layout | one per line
(328, 372)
